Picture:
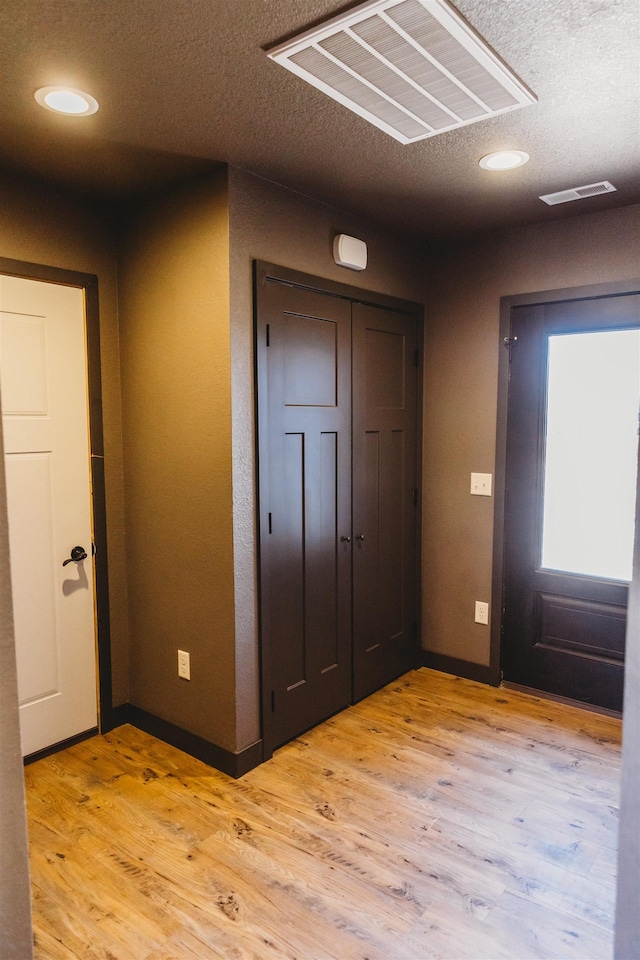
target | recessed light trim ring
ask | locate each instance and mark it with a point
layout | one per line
(504, 160)
(66, 100)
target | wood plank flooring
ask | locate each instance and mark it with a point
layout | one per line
(439, 818)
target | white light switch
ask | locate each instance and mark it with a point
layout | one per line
(481, 484)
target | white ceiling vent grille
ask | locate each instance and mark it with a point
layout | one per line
(414, 68)
(579, 193)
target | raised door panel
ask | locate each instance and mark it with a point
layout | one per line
(384, 480)
(304, 412)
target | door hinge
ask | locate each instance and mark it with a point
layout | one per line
(273, 701)
(270, 525)
(268, 334)
(415, 496)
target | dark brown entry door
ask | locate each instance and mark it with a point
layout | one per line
(384, 496)
(304, 387)
(566, 540)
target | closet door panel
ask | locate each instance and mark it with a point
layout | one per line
(384, 479)
(304, 415)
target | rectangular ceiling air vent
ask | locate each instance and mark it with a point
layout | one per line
(414, 68)
(578, 193)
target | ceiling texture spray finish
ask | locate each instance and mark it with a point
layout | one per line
(183, 84)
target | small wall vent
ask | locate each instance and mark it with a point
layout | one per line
(578, 193)
(414, 68)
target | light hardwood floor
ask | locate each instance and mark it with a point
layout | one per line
(438, 818)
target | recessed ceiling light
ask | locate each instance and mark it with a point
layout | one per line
(66, 100)
(504, 160)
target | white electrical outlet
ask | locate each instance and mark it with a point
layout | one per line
(481, 484)
(184, 665)
(482, 612)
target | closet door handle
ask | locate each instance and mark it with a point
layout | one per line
(345, 539)
(360, 536)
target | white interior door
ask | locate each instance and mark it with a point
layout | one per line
(43, 375)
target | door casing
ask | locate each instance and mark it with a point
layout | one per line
(586, 292)
(89, 284)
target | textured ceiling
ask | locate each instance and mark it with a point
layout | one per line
(183, 83)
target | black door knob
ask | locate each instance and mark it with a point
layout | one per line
(77, 554)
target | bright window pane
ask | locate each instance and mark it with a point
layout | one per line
(593, 396)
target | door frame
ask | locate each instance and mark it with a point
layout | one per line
(263, 271)
(585, 292)
(88, 283)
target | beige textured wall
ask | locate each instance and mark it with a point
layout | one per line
(460, 399)
(44, 225)
(15, 900)
(269, 222)
(176, 398)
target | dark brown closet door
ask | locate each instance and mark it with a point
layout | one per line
(304, 406)
(384, 481)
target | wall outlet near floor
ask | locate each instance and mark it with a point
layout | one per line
(482, 612)
(184, 665)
